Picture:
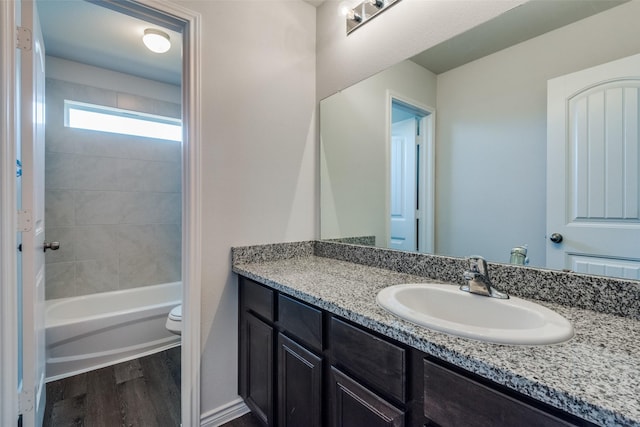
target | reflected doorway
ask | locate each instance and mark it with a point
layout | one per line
(411, 172)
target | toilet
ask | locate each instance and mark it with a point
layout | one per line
(174, 320)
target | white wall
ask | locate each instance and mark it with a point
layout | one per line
(404, 30)
(353, 157)
(258, 155)
(491, 135)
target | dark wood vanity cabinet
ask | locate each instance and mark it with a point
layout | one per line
(301, 366)
(280, 373)
(256, 350)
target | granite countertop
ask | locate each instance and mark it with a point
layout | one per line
(595, 375)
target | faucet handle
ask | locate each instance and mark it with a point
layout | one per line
(478, 264)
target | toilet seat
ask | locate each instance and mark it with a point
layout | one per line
(176, 313)
(174, 320)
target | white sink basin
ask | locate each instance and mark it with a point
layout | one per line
(447, 309)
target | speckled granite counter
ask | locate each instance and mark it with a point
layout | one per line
(595, 375)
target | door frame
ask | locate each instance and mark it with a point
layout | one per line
(8, 218)
(191, 208)
(427, 163)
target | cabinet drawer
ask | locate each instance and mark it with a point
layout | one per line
(451, 399)
(257, 298)
(301, 320)
(369, 358)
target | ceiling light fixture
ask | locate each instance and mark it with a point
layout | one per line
(156, 41)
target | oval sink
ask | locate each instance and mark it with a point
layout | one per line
(446, 308)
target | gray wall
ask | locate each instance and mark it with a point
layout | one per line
(112, 201)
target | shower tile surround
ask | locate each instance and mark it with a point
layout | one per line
(112, 201)
(594, 375)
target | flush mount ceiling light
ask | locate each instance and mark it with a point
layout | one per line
(156, 41)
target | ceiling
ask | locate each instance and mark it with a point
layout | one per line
(521, 23)
(85, 32)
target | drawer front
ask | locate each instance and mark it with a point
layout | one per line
(301, 320)
(369, 358)
(451, 399)
(257, 298)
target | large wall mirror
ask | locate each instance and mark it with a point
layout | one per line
(447, 152)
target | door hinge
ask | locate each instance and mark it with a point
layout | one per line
(25, 402)
(24, 39)
(25, 221)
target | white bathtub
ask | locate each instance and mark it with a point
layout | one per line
(93, 331)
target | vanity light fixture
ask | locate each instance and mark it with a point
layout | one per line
(353, 15)
(156, 41)
(365, 11)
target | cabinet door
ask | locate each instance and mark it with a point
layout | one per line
(352, 405)
(299, 385)
(256, 358)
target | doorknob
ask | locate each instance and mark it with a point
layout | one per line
(556, 238)
(54, 246)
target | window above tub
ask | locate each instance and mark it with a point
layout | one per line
(81, 115)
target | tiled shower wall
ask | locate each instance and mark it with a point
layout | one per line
(112, 201)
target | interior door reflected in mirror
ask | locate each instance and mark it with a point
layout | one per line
(486, 95)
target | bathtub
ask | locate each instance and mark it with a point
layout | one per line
(93, 331)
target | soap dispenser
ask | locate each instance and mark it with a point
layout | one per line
(519, 255)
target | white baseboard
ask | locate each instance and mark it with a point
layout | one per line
(223, 414)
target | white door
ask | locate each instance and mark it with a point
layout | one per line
(32, 399)
(592, 170)
(403, 186)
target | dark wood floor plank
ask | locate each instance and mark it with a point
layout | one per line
(140, 393)
(103, 406)
(135, 404)
(163, 392)
(174, 362)
(247, 420)
(127, 371)
(55, 392)
(68, 412)
(64, 389)
(74, 386)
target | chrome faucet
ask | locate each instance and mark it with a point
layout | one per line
(478, 281)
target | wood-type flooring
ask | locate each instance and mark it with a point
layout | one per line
(247, 420)
(144, 392)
